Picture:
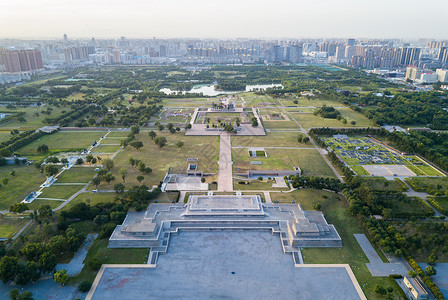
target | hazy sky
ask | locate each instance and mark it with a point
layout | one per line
(224, 19)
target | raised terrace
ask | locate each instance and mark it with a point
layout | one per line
(295, 227)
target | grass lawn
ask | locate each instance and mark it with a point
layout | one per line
(27, 179)
(271, 139)
(206, 148)
(38, 202)
(167, 197)
(10, 226)
(60, 191)
(280, 124)
(63, 140)
(192, 102)
(92, 199)
(310, 161)
(336, 213)
(77, 175)
(106, 255)
(122, 134)
(310, 120)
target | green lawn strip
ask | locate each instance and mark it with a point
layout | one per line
(10, 226)
(92, 199)
(77, 175)
(256, 185)
(106, 148)
(39, 202)
(381, 184)
(60, 191)
(122, 134)
(431, 184)
(106, 255)
(63, 140)
(430, 171)
(416, 170)
(359, 170)
(26, 180)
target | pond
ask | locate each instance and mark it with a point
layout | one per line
(209, 90)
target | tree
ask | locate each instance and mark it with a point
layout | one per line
(14, 294)
(379, 290)
(108, 164)
(260, 178)
(12, 173)
(45, 211)
(91, 121)
(344, 121)
(430, 271)
(188, 126)
(123, 172)
(42, 148)
(299, 138)
(317, 206)
(9, 267)
(353, 123)
(79, 162)
(136, 145)
(254, 122)
(119, 188)
(140, 178)
(61, 277)
(5, 181)
(89, 158)
(161, 127)
(18, 208)
(108, 178)
(306, 139)
(50, 170)
(94, 264)
(160, 141)
(64, 160)
(96, 181)
(84, 286)
(180, 144)
(152, 134)
(135, 129)
(411, 273)
(202, 179)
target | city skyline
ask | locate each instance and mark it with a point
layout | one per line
(202, 19)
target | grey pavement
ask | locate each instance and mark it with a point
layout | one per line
(376, 266)
(75, 266)
(226, 265)
(44, 289)
(225, 181)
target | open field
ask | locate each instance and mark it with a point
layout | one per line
(63, 140)
(430, 184)
(381, 184)
(26, 180)
(102, 148)
(206, 148)
(60, 191)
(306, 102)
(310, 120)
(310, 161)
(189, 103)
(336, 212)
(10, 226)
(271, 139)
(33, 121)
(4, 136)
(121, 134)
(250, 99)
(77, 175)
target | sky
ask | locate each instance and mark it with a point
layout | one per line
(407, 19)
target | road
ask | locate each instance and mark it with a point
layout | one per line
(225, 182)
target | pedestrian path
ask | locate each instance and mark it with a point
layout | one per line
(225, 183)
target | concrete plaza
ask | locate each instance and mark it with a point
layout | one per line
(226, 264)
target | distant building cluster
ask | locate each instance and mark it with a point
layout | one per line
(19, 61)
(426, 76)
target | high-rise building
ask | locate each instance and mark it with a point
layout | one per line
(351, 42)
(294, 54)
(65, 37)
(16, 61)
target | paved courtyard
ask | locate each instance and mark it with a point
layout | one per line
(388, 170)
(227, 264)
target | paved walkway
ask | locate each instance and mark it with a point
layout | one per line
(267, 197)
(75, 266)
(376, 266)
(225, 183)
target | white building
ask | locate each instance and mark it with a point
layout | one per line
(442, 75)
